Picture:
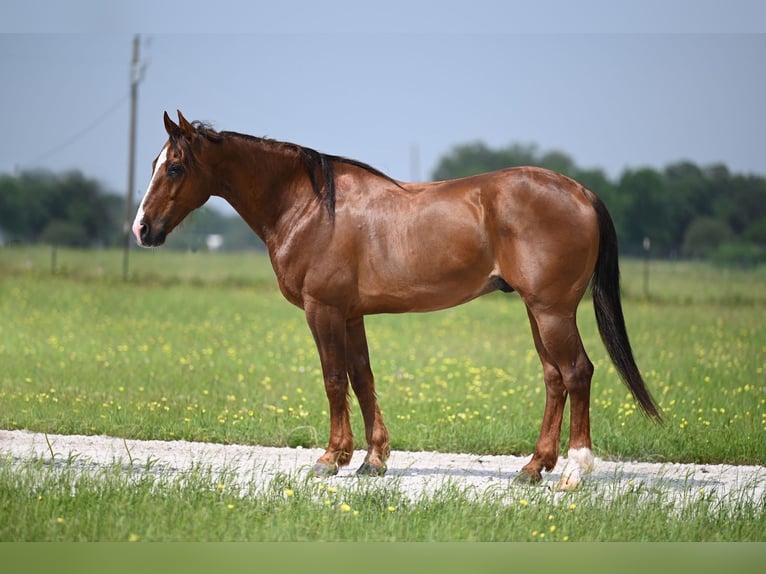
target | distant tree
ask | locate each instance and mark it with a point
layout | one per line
(83, 203)
(749, 196)
(646, 212)
(597, 181)
(756, 233)
(704, 235)
(558, 161)
(67, 209)
(473, 158)
(689, 195)
(738, 199)
(23, 213)
(476, 157)
(11, 208)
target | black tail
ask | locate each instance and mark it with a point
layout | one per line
(611, 323)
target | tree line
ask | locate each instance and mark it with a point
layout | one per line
(684, 210)
(73, 210)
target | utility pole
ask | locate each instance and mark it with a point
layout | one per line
(135, 77)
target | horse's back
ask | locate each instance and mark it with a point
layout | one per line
(435, 245)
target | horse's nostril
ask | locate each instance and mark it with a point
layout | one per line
(144, 231)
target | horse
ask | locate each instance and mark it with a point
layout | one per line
(346, 240)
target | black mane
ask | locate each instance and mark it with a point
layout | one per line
(319, 166)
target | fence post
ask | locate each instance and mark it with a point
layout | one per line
(54, 259)
(647, 247)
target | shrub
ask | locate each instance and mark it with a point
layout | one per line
(739, 254)
(704, 235)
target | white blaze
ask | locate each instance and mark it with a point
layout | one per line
(140, 214)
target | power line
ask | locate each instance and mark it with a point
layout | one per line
(77, 136)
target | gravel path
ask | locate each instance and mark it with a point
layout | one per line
(414, 473)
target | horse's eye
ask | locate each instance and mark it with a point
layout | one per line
(175, 170)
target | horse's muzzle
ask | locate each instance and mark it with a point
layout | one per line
(150, 236)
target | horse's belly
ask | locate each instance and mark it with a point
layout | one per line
(433, 257)
(429, 287)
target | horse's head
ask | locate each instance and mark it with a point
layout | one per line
(178, 185)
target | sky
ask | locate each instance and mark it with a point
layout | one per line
(615, 85)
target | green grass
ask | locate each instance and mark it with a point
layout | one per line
(41, 502)
(201, 360)
(204, 347)
(145, 266)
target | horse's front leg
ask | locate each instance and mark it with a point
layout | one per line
(328, 326)
(363, 383)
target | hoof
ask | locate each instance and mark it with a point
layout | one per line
(566, 484)
(322, 470)
(369, 469)
(528, 477)
(579, 464)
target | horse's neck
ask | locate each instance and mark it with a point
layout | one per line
(263, 185)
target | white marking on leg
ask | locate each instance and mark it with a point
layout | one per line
(579, 463)
(161, 159)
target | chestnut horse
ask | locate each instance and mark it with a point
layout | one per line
(346, 241)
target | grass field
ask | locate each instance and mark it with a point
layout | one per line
(203, 347)
(116, 505)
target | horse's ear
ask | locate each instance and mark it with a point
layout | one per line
(173, 130)
(187, 129)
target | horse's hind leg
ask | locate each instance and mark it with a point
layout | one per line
(567, 371)
(363, 383)
(546, 450)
